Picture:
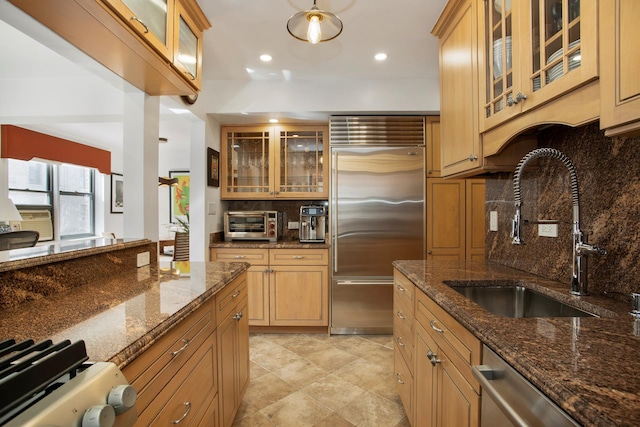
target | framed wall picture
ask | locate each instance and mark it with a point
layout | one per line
(213, 166)
(179, 196)
(117, 193)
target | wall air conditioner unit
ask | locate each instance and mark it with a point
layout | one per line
(39, 221)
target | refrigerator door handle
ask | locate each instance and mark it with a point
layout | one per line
(334, 209)
(364, 282)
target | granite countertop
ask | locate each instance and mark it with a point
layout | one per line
(588, 366)
(280, 244)
(119, 317)
(45, 254)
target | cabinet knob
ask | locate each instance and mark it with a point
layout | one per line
(238, 316)
(473, 157)
(400, 343)
(429, 252)
(513, 101)
(400, 288)
(430, 171)
(398, 378)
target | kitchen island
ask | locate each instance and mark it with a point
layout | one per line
(588, 365)
(120, 316)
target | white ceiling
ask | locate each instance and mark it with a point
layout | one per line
(241, 31)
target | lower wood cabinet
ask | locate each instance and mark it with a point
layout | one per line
(233, 342)
(287, 287)
(439, 389)
(196, 375)
(403, 342)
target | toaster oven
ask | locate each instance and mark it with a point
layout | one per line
(252, 225)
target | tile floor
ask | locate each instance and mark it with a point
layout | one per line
(317, 381)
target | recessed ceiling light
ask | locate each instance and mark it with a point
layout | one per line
(273, 120)
(265, 58)
(380, 56)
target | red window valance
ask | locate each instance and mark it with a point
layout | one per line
(24, 144)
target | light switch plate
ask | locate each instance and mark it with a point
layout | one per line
(293, 225)
(143, 259)
(493, 221)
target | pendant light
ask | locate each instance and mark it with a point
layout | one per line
(314, 25)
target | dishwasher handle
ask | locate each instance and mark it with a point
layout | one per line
(485, 374)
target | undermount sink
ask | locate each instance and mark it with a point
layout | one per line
(510, 299)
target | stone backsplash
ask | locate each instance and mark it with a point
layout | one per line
(608, 172)
(290, 211)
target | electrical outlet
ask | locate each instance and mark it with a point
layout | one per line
(293, 225)
(548, 230)
(144, 258)
(493, 221)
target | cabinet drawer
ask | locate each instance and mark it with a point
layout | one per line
(404, 382)
(403, 289)
(188, 394)
(299, 257)
(454, 339)
(153, 369)
(253, 256)
(227, 298)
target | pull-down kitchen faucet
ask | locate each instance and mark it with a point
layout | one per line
(581, 250)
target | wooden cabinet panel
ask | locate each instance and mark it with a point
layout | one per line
(461, 142)
(457, 403)
(233, 364)
(445, 219)
(299, 296)
(619, 65)
(299, 278)
(404, 382)
(425, 379)
(195, 385)
(433, 147)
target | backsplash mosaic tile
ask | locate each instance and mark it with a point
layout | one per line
(608, 172)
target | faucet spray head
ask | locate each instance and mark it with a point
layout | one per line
(516, 227)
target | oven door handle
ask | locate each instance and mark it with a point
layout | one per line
(485, 374)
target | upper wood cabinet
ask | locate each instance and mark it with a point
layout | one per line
(457, 30)
(619, 66)
(152, 20)
(139, 40)
(534, 52)
(266, 162)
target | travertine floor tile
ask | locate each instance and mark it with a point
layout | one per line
(296, 410)
(321, 381)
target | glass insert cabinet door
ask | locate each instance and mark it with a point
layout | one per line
(153, 19)
(247, 161)
(301, 154)
(499, 51)
(556, 39)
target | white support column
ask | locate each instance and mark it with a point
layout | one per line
(140, 164)
(198, 237)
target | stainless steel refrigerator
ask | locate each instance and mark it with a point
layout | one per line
(377, 216)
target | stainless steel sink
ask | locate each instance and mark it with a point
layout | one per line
(510, 299)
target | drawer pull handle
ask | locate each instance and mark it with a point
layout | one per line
(297, 257)
(235, 294)
(400, 288)
(238, 316)
(179, 420)
(400, 315)
(135, 18)
(181, 349)
(435, 328)
(239, 256)
(433, 358)
(400, 343)
(398, 378)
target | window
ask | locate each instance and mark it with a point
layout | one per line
(67, 191)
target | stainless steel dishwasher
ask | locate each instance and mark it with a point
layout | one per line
(509, 399)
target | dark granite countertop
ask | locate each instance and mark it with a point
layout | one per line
(119, 317)
(280, 244)
(588, 366)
